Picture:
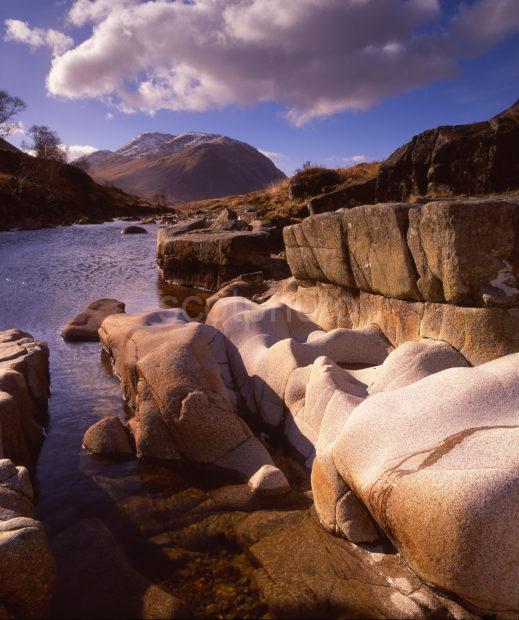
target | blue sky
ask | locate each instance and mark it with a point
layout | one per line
(340, 112)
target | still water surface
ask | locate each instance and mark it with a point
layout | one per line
(46, 277)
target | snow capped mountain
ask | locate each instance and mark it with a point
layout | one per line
(144, 144)
(190, 140)
(152, 145)
(192, 166)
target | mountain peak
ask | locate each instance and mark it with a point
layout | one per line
(144, 143)
(192, 166)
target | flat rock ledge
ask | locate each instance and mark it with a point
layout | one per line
(207, 259)
(27, 569)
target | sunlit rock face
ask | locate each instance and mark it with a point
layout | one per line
(435, 462)
(387, 363)
(174, 374)
(409, 443)
(27, 570)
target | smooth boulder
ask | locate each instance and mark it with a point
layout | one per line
(24, 391)
(108, 437)
(175, 374)
(436, 464)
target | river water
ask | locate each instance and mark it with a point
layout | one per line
(46, 277)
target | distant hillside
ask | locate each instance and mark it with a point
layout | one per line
(37, 193)
(193, 166)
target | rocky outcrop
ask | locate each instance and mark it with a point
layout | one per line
(480, 334)
(207, 259)
(175, 375)
(445, 491)
(370, 382)
(24, 390)
(27, 571)
(352, 196)
(460, 252)
(365, 372)
(85, 326)
(227, 219)
(385, 465)
(480, 158)
(317, 252)
(466, 253)
(272, 352)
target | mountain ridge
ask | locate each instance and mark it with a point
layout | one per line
(179, 168)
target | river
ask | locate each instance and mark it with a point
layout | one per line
(46, 277)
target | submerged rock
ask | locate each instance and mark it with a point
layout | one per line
(97, 581)
(85, 325)
(133, 230)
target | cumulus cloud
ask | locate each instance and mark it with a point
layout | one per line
(274, 156)
(71, 152)
(315, 57)
(20, 32)
(75, 151)
(355, 159)
(92, 11)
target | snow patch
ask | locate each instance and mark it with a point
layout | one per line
(504, 279)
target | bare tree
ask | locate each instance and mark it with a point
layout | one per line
(46, 144)
(10, 106)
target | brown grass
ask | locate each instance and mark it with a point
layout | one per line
(273, 203)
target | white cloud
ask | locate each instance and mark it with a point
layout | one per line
(355, 159)
(72, 152)
(275, 157)
(76, 151)
(315, 57)
(20, 32)
(85, 11)
(109, 116)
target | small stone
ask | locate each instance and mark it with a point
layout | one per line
(269, 480)
(133, 230)
(108, 437)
